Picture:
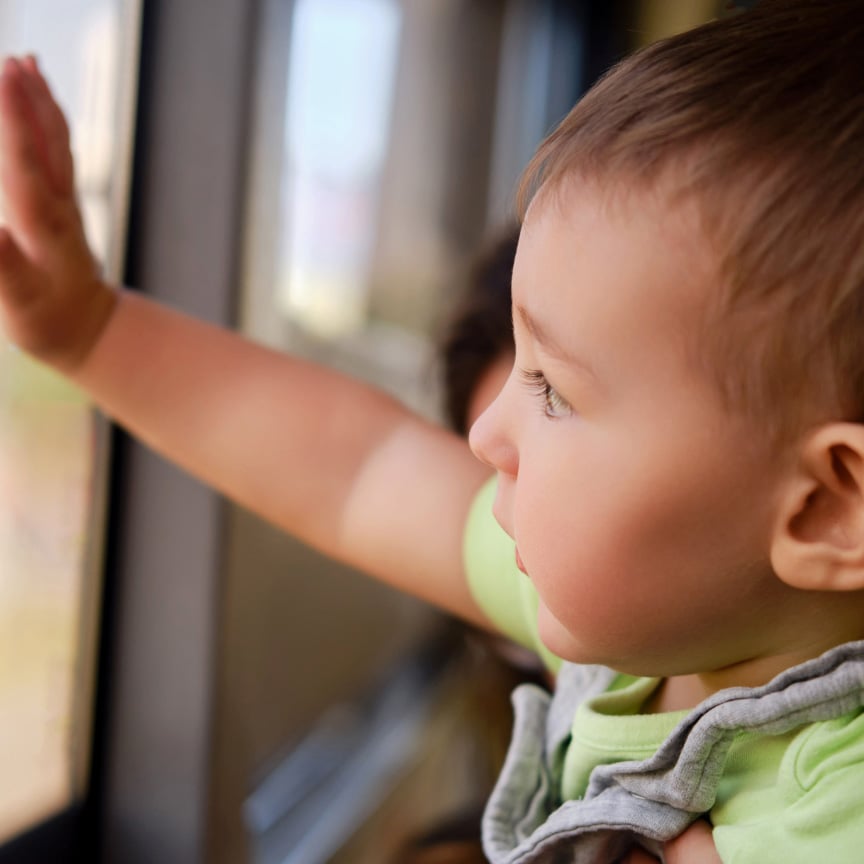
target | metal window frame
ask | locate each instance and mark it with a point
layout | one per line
(150, 788)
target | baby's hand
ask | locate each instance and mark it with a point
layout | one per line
(694, 846)
(53, 303)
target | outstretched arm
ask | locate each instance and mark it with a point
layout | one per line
(334, 462)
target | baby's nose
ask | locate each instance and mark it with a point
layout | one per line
(490, 440)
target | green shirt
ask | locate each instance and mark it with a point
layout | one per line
(797, 797)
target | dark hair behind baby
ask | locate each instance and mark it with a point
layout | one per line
(481, 330)
(758, 118)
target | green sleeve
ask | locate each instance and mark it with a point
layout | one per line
(502, 591)
(818, 810)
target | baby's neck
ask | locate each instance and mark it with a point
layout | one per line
(681, 692)
(675, 694)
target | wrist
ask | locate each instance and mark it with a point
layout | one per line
(93, 318)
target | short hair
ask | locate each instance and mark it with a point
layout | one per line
(481, 329)
(760, 118)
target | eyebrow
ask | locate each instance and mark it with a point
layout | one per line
(550, 343)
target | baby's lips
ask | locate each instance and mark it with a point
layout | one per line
(519, 563)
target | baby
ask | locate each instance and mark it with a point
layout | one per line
(678, 451)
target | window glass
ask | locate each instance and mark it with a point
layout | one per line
(52, 444)
(370, 144)
(340, 89)
(368, 179)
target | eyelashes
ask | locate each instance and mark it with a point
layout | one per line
(553, 403)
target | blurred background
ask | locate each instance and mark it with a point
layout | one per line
(178, 681)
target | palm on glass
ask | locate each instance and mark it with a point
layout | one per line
(53, 303)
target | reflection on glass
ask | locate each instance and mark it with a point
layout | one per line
(51, 451)
(46, 466)
(341, 77)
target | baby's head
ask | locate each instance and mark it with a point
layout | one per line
(758, 122)
(687, 489)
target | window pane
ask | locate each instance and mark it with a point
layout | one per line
(371, 143)
(52, 451)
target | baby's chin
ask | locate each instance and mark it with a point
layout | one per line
(563, 643)
(620, 655)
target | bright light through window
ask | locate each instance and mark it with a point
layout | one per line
(341, 79)
(51, 442)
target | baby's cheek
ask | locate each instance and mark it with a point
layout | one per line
(586, 625)
(590, 596)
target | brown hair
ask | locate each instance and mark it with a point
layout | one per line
(760, 118)
(481, 329)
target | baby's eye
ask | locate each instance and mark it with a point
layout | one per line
(554, 404)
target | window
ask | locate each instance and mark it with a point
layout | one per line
(52, 444)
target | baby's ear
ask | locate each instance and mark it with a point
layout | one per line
(818, 540)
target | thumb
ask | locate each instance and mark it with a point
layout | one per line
(30, 318)
(695, 844)
(18, 278)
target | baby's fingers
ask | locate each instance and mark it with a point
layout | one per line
(53, 125)
(694, 846)
(33, 205)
